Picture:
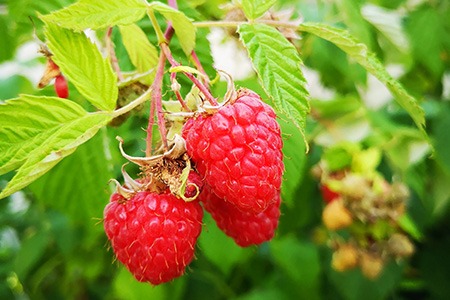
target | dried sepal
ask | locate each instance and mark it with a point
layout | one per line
(123, 191)
(177, 149)
(231, 94)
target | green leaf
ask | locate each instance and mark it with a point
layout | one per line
(220, 249)
(254, 9)
(8, 41)
(184, 28)
(277, 64)
(300, 261)
(426, 33)
(142, 53)
(408, 225)
(127, 287)
(27, 121)
(31, 251)
(351, 14)
(82, 63)
(367, 59)
(294, 150)
(98, 14)
(78, 186)
(37, 132)
(442, 139)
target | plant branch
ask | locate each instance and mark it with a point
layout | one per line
(133, 104)
(151, 120)
(199, 67)
(157, 102)
(201, 87)
(156, 27)
(293, 25)
(112, 54)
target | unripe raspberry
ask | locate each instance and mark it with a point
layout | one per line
(400, 245)
(371, 265)
(246, 228)
(336, 216)
(61, 86)
(345, 258)
(328, 195)
(152, 234)
(237, 150)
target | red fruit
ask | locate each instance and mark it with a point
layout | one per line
(246, 228)
(327, 194)
(153, 235)
(61, 87)
(237, 150)
(194, 185)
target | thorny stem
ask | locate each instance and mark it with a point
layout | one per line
(157, 102)
(199, 67)
(201, 87)
(148, 150)
(112, 54)
(156, 99)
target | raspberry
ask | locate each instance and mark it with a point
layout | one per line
(61, 87)
(194, 185)
(246, 228)
(237, 150)
(328, 195)
(152, 234)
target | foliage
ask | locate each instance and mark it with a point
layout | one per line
(366, 77)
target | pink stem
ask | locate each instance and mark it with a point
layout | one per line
(199, 67)
(173, 78)
(112, 54)
(157, 104)
(200, 86)
(151, 121)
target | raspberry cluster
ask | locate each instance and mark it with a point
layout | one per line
(363, 211)
(229, 160)
(237, 150)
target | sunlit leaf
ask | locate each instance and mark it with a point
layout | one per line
(38, 132)
(98, 14)
(83, 64)
(277, 64)
(359, 52)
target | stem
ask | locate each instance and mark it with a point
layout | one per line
(112, 54)
(130, 106)
(157, 99)
(156, 27)
(201, 87)
(199, 67)
(293, 25)
(173, 80)
(151, 120)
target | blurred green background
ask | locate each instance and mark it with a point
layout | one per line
(52, 244)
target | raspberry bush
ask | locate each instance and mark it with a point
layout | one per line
(235, 149)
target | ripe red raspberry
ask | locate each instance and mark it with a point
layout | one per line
(246, 228)
(194, 185)
(61, 87)
(328, 195)
(153, 235)
(237, 150)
